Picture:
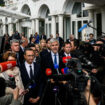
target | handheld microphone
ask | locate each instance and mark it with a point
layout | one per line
(66, 59)
(56, 67)
(7, 65)
(48, 72)
(66, 70)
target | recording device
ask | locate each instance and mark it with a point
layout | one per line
(11, 82)
(7, 65)
(30, 85)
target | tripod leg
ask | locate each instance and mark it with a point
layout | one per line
(59, 101)
(42, 98)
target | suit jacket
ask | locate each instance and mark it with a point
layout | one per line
(62, 54)
(61, 41)
(44, 52)
(8, 100)
(21, 55)
(47, 62)
(37, 90)
(44, 37)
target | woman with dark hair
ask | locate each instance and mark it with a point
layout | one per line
(13, 72)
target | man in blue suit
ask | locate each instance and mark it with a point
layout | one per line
(30, 71)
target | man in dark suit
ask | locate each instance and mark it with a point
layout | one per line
(15, 47)
(53, 58)
(23, 45)
(61, 41)
(30, 71)
(66, 50)
(50, 60)
(71, 38)
(43, 36)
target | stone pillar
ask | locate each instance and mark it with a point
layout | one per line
(10, 29)
(61, 25)
(37, 25)
(76, 30)
(4, 29)
(53, 27)
(33, 26)
(91, 18)
(4, 25)
(103, 19)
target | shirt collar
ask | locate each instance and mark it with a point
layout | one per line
(54, 53)
(28, 63)
(67, 54)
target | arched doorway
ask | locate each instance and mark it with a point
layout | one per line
(26, 23)
(45, 20)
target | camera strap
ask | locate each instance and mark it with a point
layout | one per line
(5, 76)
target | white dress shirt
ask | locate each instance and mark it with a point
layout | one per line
(67, 54)
(53, 56)
(28, 68)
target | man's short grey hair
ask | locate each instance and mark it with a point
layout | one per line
(53, 40)
(14, 41)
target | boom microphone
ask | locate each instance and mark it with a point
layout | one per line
(7, 65)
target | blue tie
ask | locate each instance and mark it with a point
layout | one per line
(55, 59)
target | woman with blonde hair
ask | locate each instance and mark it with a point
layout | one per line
(43, 44)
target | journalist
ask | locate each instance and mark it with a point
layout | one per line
(11, 99)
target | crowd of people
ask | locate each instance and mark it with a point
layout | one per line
(34, 56)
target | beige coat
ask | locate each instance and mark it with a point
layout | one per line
(16, 73)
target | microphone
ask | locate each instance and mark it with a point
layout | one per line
(48, 72)
(66, 70)
(66, 59)
(7, 65)
(30, 85)
(56, 67)
(84, 26)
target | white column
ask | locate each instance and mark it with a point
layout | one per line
(91, 18)
(48, 33)
(61, 25)
(10, 29)
(33, 26)
(37, 25)
(4, 29)
(103, 20)
(65, 33)
(71, 28)
(53, 29)
(18, 27)
(76, 30)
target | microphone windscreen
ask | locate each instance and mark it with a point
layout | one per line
(48, 72)
(62, 70)
(83, 27)
(64, 59)
(56, 66)
(7, 65)
(66, 70)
